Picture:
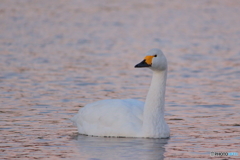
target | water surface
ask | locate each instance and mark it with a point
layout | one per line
(58, 55)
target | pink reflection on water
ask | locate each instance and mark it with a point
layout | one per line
(56, 57)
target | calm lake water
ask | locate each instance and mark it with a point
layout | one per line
(58, 55)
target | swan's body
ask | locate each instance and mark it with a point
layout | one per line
(129, 117)
(112, 117)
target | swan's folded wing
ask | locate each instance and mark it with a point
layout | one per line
(110, 117)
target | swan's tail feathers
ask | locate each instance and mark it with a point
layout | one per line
(74, 119)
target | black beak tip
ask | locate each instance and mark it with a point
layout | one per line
(142, 64)
(136, 66)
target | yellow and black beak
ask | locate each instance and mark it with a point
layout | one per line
(147, 62)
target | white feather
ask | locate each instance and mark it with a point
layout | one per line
(129, 117)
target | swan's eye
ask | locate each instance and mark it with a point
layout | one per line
(155, 55)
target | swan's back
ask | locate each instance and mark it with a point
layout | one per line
(113, 117)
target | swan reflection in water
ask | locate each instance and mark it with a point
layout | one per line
(120, 148)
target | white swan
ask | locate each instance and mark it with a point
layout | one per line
(129, 117)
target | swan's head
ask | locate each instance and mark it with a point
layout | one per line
(154, 60)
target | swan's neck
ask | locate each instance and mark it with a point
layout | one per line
(153, 116)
